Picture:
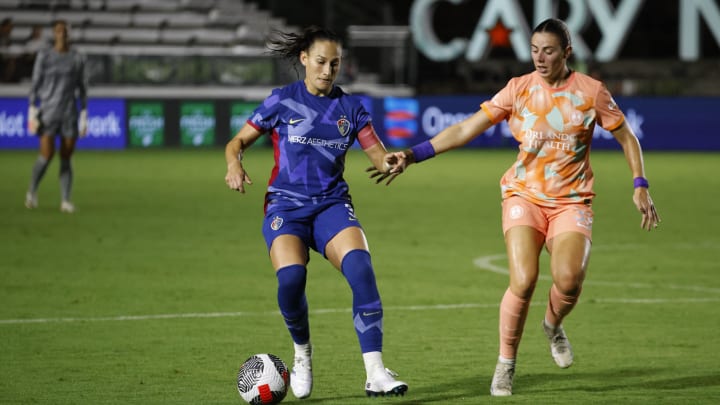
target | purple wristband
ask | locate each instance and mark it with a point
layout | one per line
(423, 151)
(640, 182)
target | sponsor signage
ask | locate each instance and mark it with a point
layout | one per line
(13, 125)
(504, 23)
(239, 114)
(197, 124)
(146, 124)
(106, 125)
(659, 123)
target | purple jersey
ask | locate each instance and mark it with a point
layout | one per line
(311, 136)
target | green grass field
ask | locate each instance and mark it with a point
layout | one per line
(159, 286)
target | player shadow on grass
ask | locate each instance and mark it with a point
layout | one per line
(614, 380)
(534, 383)
(447, 394)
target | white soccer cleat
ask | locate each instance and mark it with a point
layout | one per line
(560, 347)
(502, 381)
(301, 379)
(31, 200)
(67, 207)
(383, 383)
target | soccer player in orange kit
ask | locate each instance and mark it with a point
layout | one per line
(547, 193)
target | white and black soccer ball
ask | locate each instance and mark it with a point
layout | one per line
(263, 379)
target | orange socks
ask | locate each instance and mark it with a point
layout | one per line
(513, 311)
(559, 305)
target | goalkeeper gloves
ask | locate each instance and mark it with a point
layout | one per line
(83, 123)
(33, 121)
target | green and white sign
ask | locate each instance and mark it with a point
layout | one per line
(146, 124)
(197, 124)
(239, 114)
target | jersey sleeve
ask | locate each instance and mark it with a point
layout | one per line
(500, 106)
(362, 117)
(82, 81)
(609, 115)
(37, 76)
(361, 122)
(265, 116)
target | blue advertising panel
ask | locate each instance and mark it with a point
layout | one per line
(13, 125)
(106, 125)
(660, 123)
(668, 123)
(107, 128)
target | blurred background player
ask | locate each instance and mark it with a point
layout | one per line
(547, 193)
(313, 123)
(59, 84)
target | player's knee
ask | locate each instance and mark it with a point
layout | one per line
(292, 278)
(522, 284)
(569, 285)
(357, 267)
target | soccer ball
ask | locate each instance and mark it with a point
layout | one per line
(263, 379)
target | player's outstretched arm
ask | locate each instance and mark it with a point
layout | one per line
(452, 137)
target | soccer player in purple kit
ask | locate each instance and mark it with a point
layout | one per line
(312, 124)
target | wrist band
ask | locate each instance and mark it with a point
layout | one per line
(423, 151)
(640, 182)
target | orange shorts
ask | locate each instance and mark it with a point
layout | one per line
(549, 221)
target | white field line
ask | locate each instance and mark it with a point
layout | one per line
(484, 262)
(438, 307)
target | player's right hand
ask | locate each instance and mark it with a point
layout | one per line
(394, 164)
(236, 177)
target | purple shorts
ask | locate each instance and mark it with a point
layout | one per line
(315, 225)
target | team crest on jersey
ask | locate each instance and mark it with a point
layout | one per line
(576, 118)
(276, 223)
(343, 125)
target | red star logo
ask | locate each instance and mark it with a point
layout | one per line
(499, 36)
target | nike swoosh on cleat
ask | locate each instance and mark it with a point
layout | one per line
(294, 121)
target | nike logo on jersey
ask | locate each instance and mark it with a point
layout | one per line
(371, 313)
(294, 121)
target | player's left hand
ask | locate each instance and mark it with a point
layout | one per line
(83, 123)
(644, 204)
(33, 120)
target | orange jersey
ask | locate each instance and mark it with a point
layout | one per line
(555, 128)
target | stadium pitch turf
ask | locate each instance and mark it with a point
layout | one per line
(159, 286)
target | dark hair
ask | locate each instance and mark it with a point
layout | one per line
(59, 21)
(556, 27)
(289, 45)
